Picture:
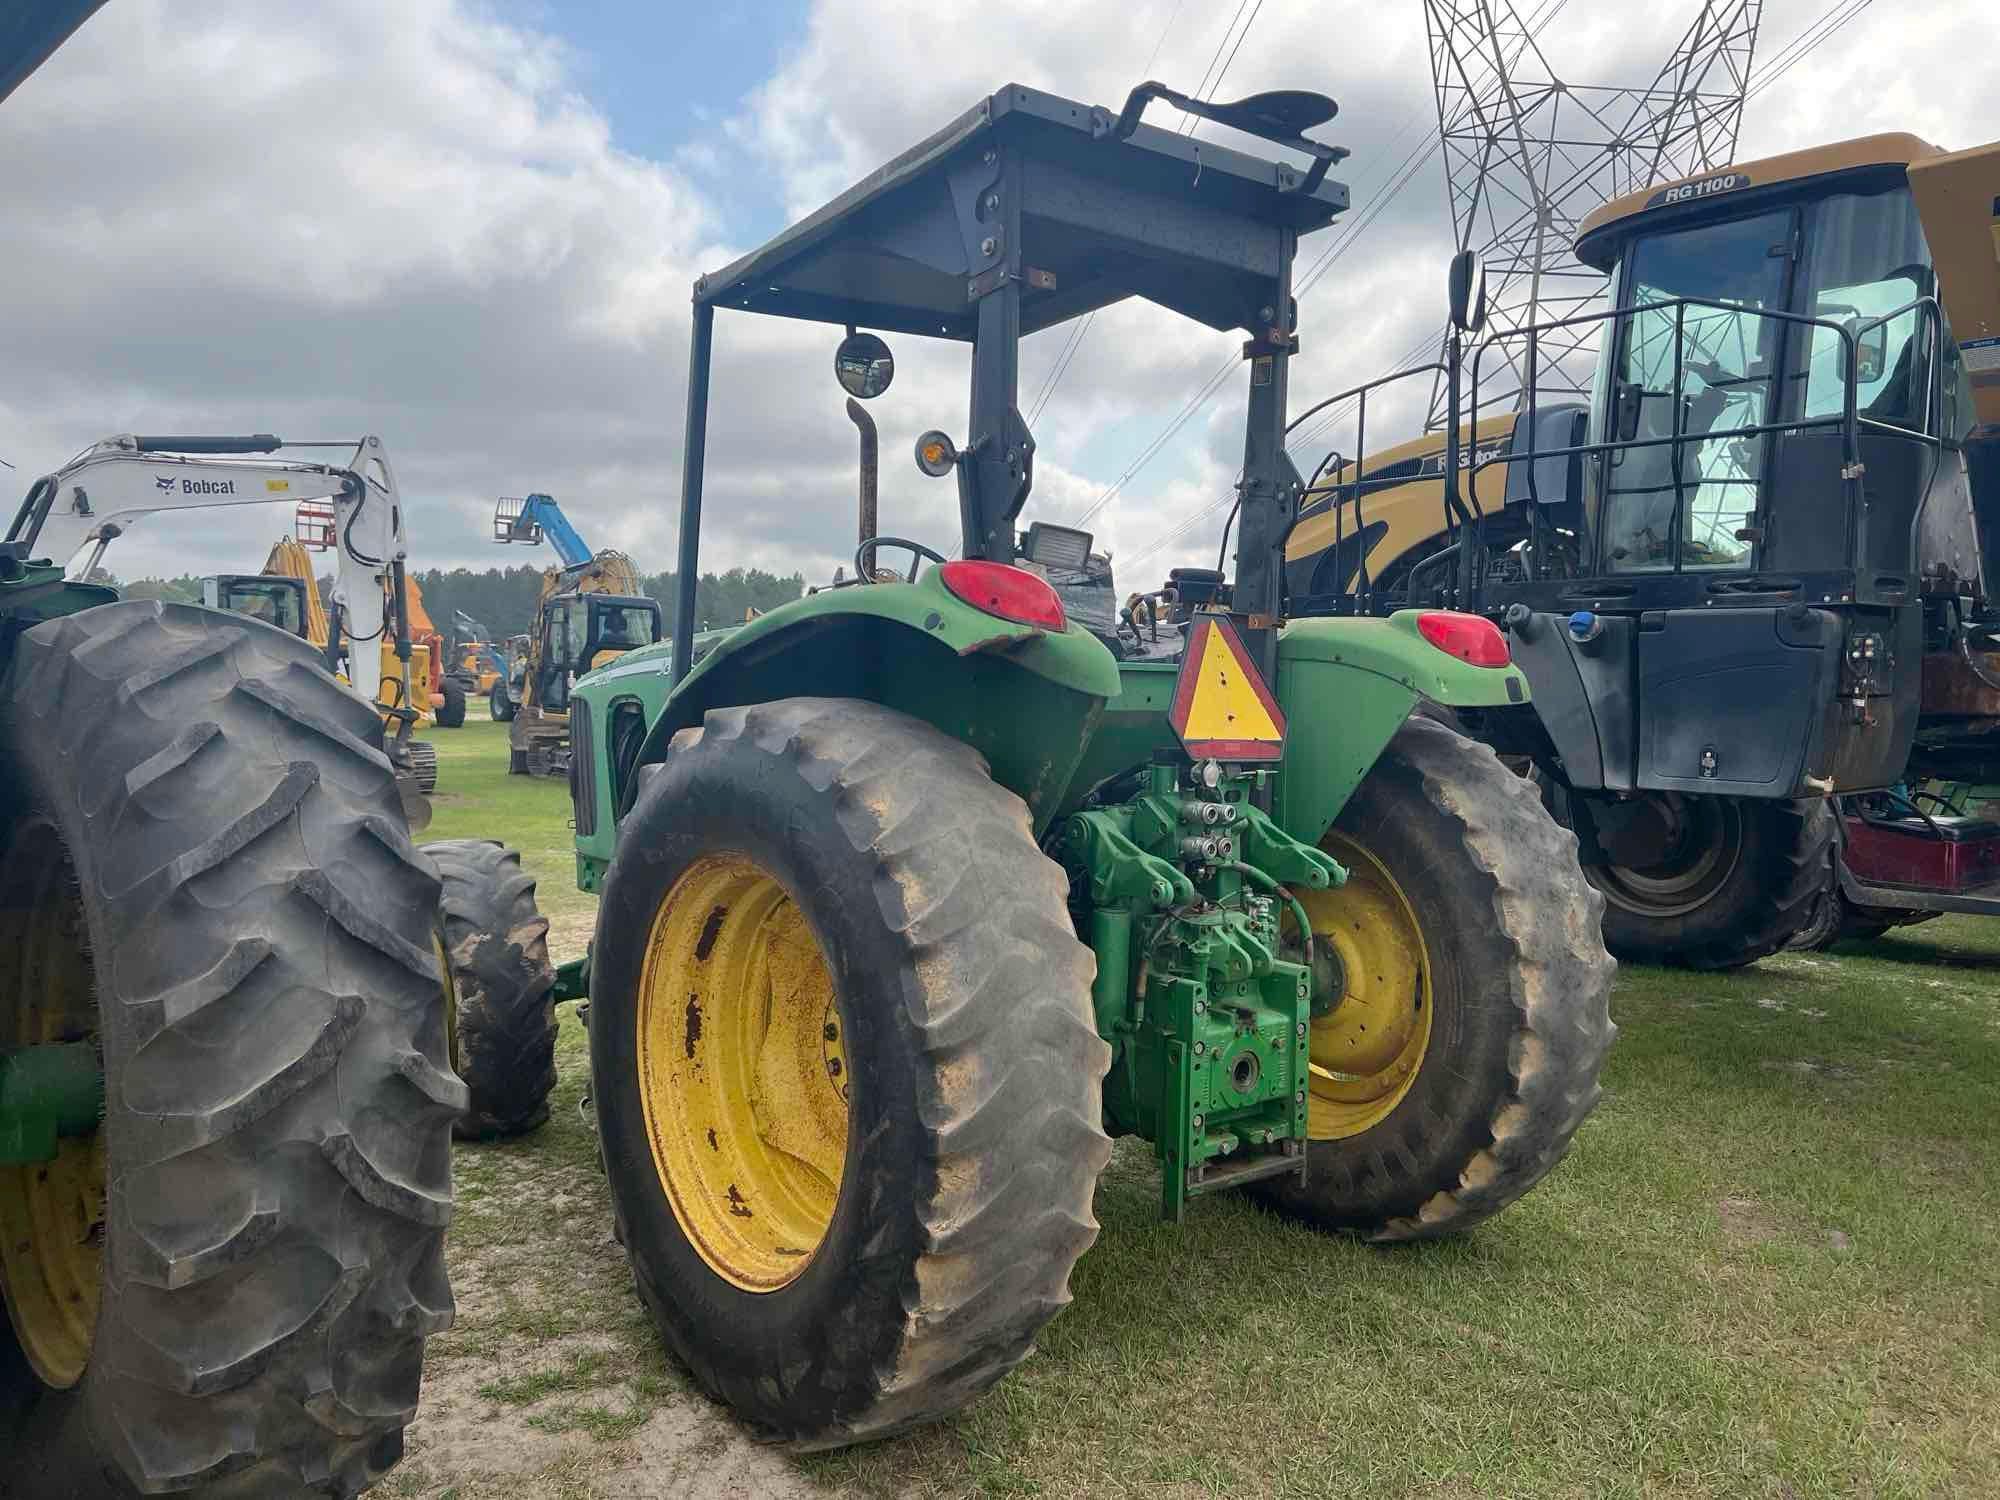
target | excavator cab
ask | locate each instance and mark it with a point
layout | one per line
(582, 632)
(272, 598)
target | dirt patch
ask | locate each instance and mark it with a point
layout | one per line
(691, 1449)
(1747, 1222)
(461, 1439)
(468, 1446)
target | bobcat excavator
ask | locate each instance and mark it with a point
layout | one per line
(76, 514)
(591, 611)
(1758, 568)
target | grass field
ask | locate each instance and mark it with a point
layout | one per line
(1768, 1268)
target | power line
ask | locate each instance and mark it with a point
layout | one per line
(1077, 337)
(1796, 50)
(1182, 528)
(1194, 404)
(1210, 86)
(1201, 89)
(1836, 18)
(1799, 45)
(1057, 369)
(1404, 173)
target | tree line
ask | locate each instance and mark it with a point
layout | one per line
(503, 599)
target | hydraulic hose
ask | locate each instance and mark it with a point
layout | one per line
(1259, 878)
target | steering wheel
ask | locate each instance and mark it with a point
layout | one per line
(917, 550)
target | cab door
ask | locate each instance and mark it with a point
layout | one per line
(552, 684)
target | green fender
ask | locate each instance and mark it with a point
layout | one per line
(1346, 685)
(1026, 698)
(31, 592)
(1053, 712)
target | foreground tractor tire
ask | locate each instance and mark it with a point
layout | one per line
(451, 712)
(498, 704)
(1740, 878)
(495, 942)
(847, 1082)
(1475, 1013)
(224, 1290)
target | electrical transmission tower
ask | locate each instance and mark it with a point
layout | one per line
(1528, 155)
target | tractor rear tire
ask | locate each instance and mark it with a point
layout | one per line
(1751, 878)
(496, 942)
(821, 873)
(1465, 893)
(499, 704)
(207, 835)
(451, 712)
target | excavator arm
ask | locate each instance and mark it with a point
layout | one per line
(73, 515)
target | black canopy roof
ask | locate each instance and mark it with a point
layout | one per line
(1193, 226)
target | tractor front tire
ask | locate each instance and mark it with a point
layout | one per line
(1740, 878)
(499, 704)
(495, 941)
(1474, 1017)
(848, 1087)
(451, 712)
(209, 878)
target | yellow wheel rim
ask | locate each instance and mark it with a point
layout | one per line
(51, 1213)
(1368, 1050)
(742, 1071)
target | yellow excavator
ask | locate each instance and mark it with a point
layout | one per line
(591, 610)
(1755, 576)
(286, 594)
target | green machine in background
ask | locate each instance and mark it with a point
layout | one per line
(915, 891)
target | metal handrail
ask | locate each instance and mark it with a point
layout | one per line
(1341, 491)
(1848, 420)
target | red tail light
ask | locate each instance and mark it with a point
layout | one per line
(1008, 592)
(1468, 637)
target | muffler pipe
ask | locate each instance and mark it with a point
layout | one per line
(870, 466)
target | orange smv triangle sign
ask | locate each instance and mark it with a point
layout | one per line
(1223, 709)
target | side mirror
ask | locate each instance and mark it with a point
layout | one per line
(863, 365)
(1468, 314)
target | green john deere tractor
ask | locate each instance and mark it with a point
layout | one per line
(915, 892)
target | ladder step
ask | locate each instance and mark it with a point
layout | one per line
(1233, 1171)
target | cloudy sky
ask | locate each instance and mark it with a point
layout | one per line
(471, 229)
